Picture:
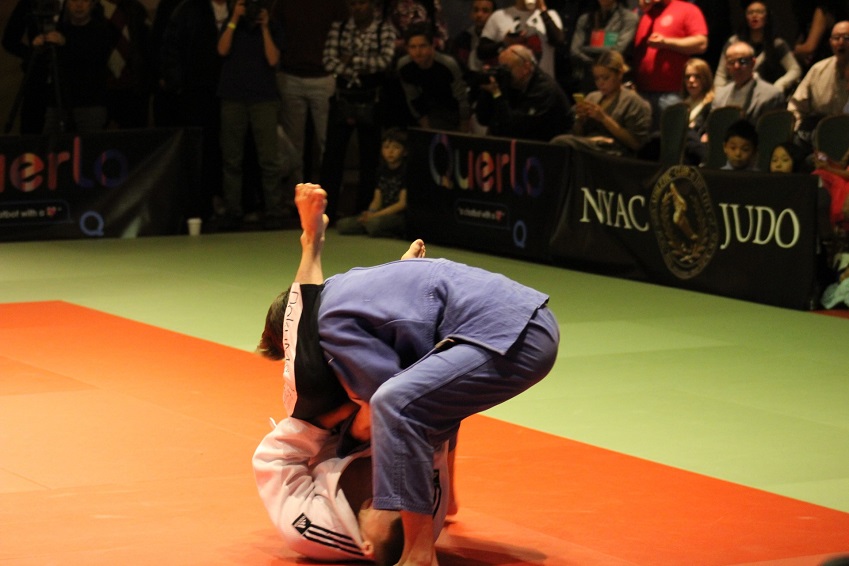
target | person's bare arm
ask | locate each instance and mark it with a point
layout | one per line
(393, 208)
(691, 45)
(272, 53)
(819, 26)
(225, 42)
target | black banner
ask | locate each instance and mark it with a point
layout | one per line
(751, 236)
(489, 194)
(116, 184)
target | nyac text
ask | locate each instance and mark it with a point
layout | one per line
(744, 223)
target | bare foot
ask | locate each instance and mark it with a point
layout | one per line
(311, 201)
(417, 250)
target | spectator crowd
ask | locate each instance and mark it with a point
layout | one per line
(280, 90)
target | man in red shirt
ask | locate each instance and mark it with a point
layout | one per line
(668, 34)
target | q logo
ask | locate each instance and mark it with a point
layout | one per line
(91, 224)
(520, 234)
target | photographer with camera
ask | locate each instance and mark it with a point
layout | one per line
(250, 44)
(82, 41)
(518, 100)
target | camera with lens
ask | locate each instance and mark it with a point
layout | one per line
(253, 8)
(499, 73)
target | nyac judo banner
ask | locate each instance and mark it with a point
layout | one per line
(489, 194)
(750, 236)
(112, 184)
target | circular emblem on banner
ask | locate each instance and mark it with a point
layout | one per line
(684, 222)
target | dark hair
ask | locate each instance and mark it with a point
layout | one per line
(417, 29)
(271, 342)
(742, 129)
(745, 34)
(796, 153)
(396, 135)
(491, 3)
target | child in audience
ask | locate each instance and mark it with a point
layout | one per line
(385, 215)
(787, 158)
(741, 146)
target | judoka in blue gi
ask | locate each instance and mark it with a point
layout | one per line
(418, 345)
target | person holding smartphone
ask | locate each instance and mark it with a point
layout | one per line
(613, 119)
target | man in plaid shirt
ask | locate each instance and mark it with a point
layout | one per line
(358, 53)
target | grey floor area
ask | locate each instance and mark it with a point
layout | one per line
(748, 393)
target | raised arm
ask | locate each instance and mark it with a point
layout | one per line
(225, 40)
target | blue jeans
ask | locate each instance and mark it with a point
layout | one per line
(236, 117)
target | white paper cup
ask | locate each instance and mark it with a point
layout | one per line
(194, 226)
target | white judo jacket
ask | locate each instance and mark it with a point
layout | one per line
(297, 473)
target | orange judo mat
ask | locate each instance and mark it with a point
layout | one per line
(123, 443)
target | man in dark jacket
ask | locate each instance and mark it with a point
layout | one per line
(529, 104)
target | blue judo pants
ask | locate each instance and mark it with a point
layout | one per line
(423, 405)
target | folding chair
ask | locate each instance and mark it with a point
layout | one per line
(831, 136)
